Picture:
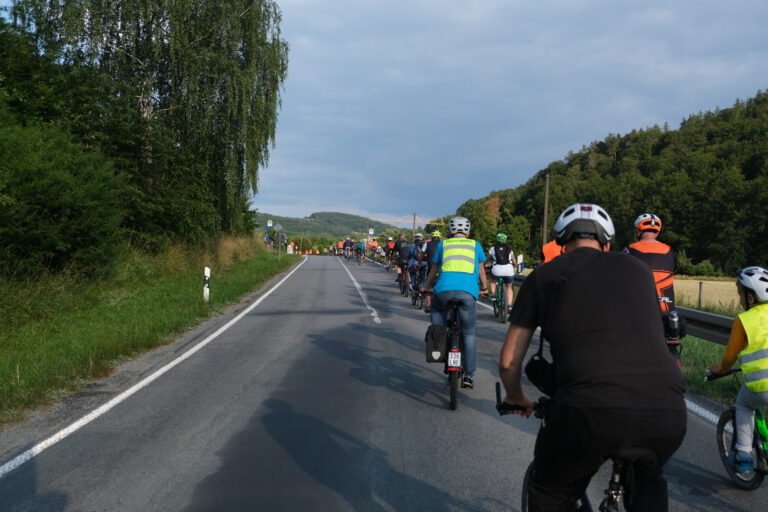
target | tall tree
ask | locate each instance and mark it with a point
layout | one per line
(202, 79)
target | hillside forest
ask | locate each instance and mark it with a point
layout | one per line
(707, 180)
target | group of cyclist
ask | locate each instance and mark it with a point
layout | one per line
(602, 313)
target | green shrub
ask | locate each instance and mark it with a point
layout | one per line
(62, 205)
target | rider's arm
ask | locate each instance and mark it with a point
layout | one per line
(511, 366)
(736, 343)
(431, 277)
(483, 279)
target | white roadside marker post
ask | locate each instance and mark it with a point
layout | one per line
(206, 283)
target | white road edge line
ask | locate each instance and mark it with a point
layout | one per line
(702, 412)
(374, 314)
(38, 448)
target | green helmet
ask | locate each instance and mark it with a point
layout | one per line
(502, 238)
(437, 234)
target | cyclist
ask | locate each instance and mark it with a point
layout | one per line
(417, 269)
(458, 261)
(348, 247)
(400, 253)
(428, 256)
(374, 249)
(616, 386)
(658, 256)
(502, 257)
(749, 341)
(360, 250)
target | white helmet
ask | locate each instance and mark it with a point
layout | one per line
(389, 239)
(418, 237)
(586, 219)
(756, 280)
(458, 225)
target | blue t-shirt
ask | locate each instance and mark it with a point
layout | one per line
(448, 281)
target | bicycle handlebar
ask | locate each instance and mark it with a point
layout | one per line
(714, 376)
(504, 408)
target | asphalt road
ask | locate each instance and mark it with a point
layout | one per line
(316, 399)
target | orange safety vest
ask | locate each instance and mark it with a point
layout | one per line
(551, 250)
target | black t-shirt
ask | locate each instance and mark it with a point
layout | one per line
(604, 329)
(431, 248)
(402, 248)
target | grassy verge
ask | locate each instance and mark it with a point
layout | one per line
(60, 332)
(698, 355)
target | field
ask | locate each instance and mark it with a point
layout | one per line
(717, 295)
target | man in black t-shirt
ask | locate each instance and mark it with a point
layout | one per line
(617, 385)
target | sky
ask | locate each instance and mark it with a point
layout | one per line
(398, 107)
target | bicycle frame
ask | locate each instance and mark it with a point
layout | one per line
(455, 360)
(761, 428)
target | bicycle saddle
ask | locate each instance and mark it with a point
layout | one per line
(634, 454)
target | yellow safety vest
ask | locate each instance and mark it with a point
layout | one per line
(754, 358)
(459, 255)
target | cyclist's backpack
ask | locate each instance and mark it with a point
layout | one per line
(501, 253)
(437, 343)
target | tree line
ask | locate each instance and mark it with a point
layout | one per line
(138, 122)
(707, 180)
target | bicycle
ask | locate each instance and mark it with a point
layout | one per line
(454, 363)
(623, 459)
(499, 301)
(404, 281)
(726, 441)
(417, 290)
(674, 332)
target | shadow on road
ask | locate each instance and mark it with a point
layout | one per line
(20, 492)
(253, 477)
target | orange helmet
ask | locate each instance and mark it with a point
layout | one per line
(648, 222)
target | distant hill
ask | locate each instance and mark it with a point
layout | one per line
(324, 223)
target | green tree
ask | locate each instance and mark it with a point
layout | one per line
(199, 83)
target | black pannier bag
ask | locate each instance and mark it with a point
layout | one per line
(437, 343)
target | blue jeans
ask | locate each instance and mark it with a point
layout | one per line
(467, 313)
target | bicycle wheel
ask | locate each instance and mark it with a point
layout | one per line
(726, 443)
(453, 381)
(495, 307)
(404, 283)
(414, 297)
(524, 490)
(503, 303)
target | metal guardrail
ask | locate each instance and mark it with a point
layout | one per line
(707, 326)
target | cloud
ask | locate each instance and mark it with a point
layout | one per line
(394, 106)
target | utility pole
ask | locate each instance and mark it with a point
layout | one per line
(546, 211)
(414, 224)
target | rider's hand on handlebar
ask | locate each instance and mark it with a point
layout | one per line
(483, 292)
(523, 407)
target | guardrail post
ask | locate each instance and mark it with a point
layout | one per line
(701, 293)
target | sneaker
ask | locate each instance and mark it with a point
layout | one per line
(427, 309)
(741, 461)
(468, 383)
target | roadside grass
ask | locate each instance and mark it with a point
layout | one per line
(59, 332)
(698, 355)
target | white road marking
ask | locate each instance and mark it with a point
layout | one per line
(374, 314)
(702, 412)
(38, 448)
